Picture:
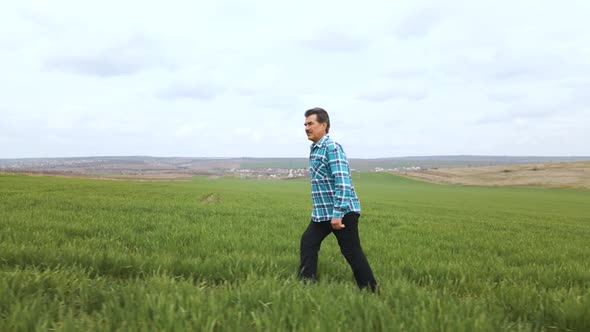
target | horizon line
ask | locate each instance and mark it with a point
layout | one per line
(300, 157)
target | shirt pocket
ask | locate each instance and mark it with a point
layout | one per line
(318, 168)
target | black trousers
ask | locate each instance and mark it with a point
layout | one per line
(350, 246)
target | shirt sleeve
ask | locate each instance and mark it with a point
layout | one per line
(341, 175)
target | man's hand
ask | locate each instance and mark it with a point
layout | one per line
(337, 224)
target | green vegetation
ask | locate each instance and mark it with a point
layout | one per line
(219, 255)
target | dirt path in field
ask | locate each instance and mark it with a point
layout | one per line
(211, 198)
(555, 175)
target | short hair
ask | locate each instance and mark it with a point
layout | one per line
(321, 115)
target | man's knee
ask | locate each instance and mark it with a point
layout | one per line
(306, 239)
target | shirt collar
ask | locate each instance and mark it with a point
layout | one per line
(320, 143)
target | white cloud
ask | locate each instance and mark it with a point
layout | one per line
(387, 89)
(335, 40)
(113, 58)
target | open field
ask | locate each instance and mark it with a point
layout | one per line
(221, 254)
(554, 175)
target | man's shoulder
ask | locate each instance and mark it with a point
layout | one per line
(329, 145)
(332, 145)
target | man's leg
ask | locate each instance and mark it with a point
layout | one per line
(311, 241)
(350, 246)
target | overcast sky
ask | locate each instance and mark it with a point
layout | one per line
(233, 78)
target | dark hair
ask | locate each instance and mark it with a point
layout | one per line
(321, 114)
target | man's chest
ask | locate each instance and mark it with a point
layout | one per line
(318, 164)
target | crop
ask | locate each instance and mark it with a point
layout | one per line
(221, 254)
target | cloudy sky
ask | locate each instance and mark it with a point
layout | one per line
(230, 78)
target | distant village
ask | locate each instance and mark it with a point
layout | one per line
(291, 173)
(105, 166)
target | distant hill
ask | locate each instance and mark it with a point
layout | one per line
(556, 175)
(457, 161)
(191, 166)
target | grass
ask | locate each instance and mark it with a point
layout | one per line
(218, 255)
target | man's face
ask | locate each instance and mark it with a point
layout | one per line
(314, 130)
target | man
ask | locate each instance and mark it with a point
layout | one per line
(336, 207)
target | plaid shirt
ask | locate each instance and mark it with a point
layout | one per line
(332, 191)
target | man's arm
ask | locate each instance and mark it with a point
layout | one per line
(342, 186)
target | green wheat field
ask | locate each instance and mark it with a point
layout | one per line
(222, 254)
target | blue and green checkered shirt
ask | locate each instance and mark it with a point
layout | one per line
(332, 191)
